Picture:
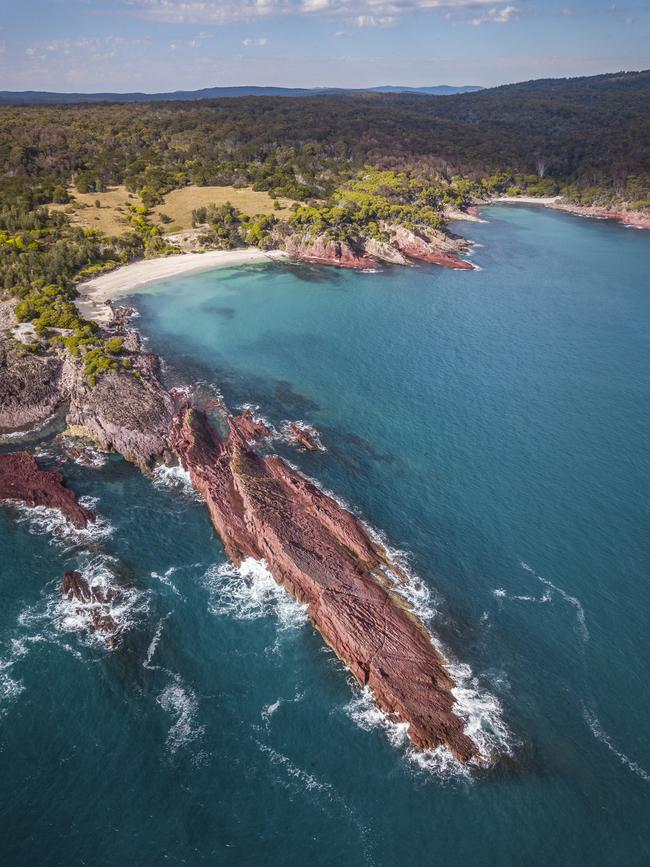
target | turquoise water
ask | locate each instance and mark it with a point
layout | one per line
(495, 426)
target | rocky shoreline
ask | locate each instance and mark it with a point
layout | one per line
(260, 507)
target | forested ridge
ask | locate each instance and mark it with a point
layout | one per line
(362, 170)
(587, 138)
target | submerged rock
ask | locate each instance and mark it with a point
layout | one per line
(326, 559)
(94, 601)
(22, 479)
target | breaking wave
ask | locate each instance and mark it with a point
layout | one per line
(125, 605)
(249, 592)
(175, 479)
(42, 520)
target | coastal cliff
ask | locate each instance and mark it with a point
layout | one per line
(262, 508)
(400, 246)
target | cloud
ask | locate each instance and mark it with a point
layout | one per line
(496, 16)
(373, 13)
(375, 21)
(567, 11)
(262, 40)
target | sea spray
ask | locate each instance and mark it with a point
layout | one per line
(249, 592)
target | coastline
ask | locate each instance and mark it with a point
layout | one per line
(94, 294)
(630, 219)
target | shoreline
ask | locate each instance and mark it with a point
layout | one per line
(94, 294)
(629, 219)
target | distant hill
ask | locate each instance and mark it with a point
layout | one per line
(38, 97)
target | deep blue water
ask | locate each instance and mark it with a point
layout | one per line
(495, 426)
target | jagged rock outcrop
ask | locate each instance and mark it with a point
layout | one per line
(322, 251)
(22, 479)
(302, 435)
(325, 558)
(401, 247)
(31, 388)
(437, 249)
(253, 429)
(128, 414)
(94, 602)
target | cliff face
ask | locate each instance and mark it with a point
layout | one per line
(322, 251)
(323, 556)
(30, 387)
(22, 479)
(130, 415)
(401, 247)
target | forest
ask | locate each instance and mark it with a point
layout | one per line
(350, 163)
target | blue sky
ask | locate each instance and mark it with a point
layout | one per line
(159, 45)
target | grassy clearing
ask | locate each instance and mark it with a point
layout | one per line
(179, 204)
(109, 217)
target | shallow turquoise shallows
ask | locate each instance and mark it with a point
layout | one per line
(495, 426)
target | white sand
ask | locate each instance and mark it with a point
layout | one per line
(94, 293)
(529, 200)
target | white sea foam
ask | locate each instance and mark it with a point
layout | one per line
(10, 689)
(181, 703)
(439, 762)
(599, 733)
(483, 715)
(25, 434)
(250, 592)
(42, 520)
(89, 456)
(165, 578)
(55, 615)
(572, 600)
(176, 479)
(153, 645)
(325, 792)
(269, 709)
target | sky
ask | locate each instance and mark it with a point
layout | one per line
(164, 45)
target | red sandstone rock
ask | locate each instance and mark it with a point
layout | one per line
(302, 435)
(251, 428)
(321, 251)
(22, 479)
(324, 557)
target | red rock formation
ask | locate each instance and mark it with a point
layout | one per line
(634, 219)
(251, 428)
(325, 558)
(302, 435)
(321, 251)
(22, 479)
(414, 247)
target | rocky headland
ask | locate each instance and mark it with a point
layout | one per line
(260, 507)
(401, 246)
(322, 554)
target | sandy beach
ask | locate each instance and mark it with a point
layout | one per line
(529, 200)
(93, 294)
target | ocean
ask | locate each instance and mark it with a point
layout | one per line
(494, 427)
